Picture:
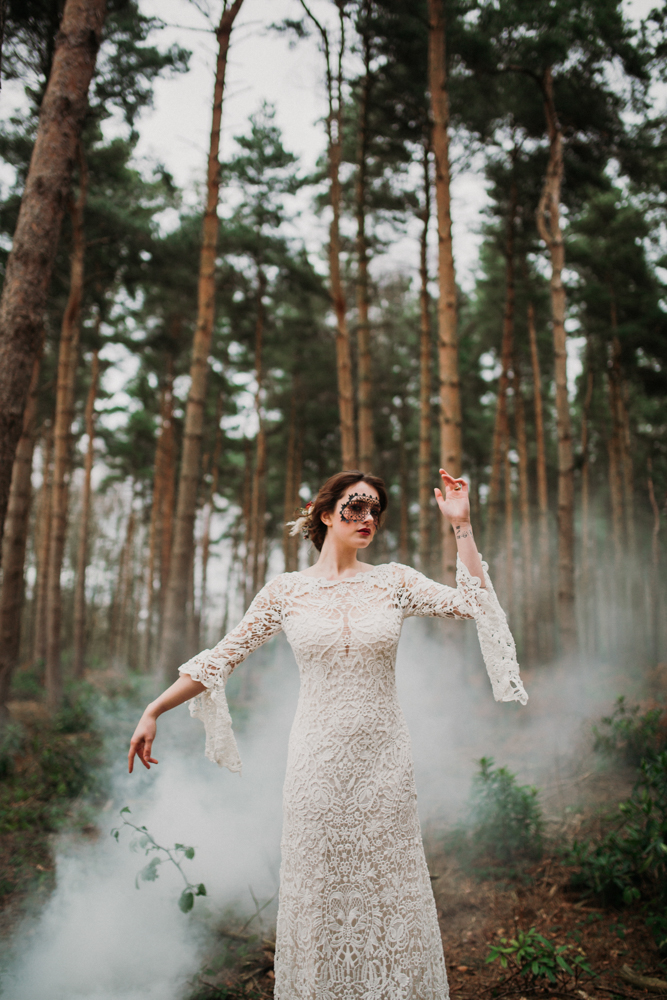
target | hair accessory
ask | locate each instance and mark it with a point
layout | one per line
(301, 522)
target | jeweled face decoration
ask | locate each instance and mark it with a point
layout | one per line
(358, 506)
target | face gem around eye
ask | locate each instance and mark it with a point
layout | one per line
(358, 506)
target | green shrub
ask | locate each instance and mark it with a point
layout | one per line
(534, 957)
(76, 714)
(11, 740)
(506, 817)
(630, 733)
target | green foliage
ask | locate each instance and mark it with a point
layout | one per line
(630, 862)
(76, 713)
(631, 733)
(144, 841)
(11, 740)
(537, 959)
(506, 817)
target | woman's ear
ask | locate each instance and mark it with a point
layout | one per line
(326, 517)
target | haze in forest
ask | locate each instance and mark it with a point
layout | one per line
(246, 273)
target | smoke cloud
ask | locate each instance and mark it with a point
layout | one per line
(99, 938)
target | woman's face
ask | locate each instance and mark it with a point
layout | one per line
(356, 516)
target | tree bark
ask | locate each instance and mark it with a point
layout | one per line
(622, 432)
(541, 458)
(501, 423)
(206, 533)
(404, 522)
(292, 480)
(167, 489)
(30, 261)
(14, 544)
(527, 568)
(363, 329)
(450, 397)
(509, 526)
(548, 224)
(82, 556)
(173, 633)
(334, 125)
(585, 471)
(425, 363)
(43, 529)
(117, 644)
(67, 363)
(655, 568)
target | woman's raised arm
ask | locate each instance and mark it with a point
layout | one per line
(455, 505)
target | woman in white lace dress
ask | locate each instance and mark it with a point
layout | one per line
(357, 918)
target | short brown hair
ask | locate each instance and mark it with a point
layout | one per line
(329, 495)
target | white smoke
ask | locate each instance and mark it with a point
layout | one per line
(99, 938)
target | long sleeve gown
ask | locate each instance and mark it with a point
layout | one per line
(356, 918)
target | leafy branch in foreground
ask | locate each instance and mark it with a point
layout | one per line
(146, 842)
(533, 956)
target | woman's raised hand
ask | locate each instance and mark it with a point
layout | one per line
(455, 504)
(142, 742)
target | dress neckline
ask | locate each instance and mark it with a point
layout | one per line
(346, 579)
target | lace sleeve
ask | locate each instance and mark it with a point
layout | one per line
(212, 667)
(424, 597)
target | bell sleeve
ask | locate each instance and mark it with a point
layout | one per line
(213, 667)
(469, 599)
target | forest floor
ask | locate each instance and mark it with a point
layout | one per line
(476, 912)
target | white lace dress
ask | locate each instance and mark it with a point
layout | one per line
(357, 918)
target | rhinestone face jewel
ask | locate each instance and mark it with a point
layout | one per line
(358, 506)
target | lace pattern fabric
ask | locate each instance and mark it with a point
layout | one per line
(357, 918)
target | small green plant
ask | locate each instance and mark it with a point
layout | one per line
(75, 714)
(535, 958)
(630, 733)
(161, 855)
(507, 823)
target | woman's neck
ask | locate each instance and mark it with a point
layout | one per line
(337, 561)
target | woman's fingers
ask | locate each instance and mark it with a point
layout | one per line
(450, 482)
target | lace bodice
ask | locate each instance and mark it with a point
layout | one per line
(353, 624)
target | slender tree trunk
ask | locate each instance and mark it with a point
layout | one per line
(425, 363)
(167, 490)
(35, 241)
(524, 511)
(3, 18)
(585, 471)
(622, 432)
(615, 482)
(171, 653)
(123, 592)
(509, 526)
(67, 363)
(206, 534)
(43, 546)
(155, 524)
(82, 559)
(655, 568)
(450, 397)
(246, 505)
(548, 224)
(292, 480)
(540, 448)
(501, 424)
(404, 524)
(259, 475)
(363, 329)
(14, 544)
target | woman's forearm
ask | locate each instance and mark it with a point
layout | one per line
(467, 548)
(181, 690)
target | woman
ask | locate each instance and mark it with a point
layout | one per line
(356, 918)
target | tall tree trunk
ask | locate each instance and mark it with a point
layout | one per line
(425, 362)
(404, 522)
(293, 479)
(155, 524)
(14, 544)
(509, 526)
(208, 511)
(257, 503)
(167, 490)
(171, 653)
(541, 455)
(655, 569)
(43, 546)
(615, 480)
(501, 423)
(585, 471)
(363, 330)
(117, 644)
(450, 397)
(622, 431)
(527, 568)
(82, 557)
(35, 241)
(246, 507)
(67, 363)
(548, 224)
